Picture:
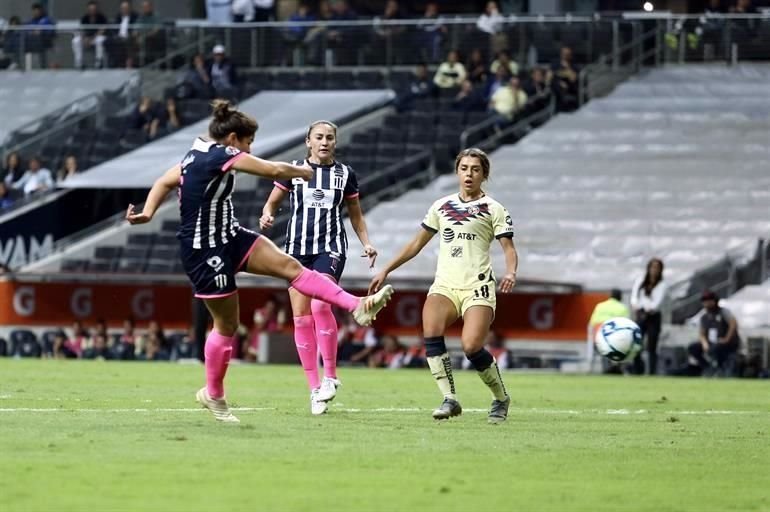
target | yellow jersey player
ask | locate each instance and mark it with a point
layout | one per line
(467, 222)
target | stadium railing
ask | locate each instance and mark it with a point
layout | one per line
(376, 42)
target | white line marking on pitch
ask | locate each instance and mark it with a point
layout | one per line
(610, 412)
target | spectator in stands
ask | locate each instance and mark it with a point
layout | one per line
(746, 27)
(69, 169)
(495, 344)
(154, 330)
(491, 22)
(58, 347)
(77, 341)
(242, 11)
(421, 86)
(12, 40)
(648, 296)
(503, 60)
(146, 117)
(6, 201)
(566, 81)
(170, 118)
(389, 37)
(123, 43)
(501, 79)
(390, 355)
(450, 73)
(718, 339)
(297, 35)
(154, 39)
(196, 81)
(315, 38)
(13, 169)
(538, 83)
(37, 179)
(90, 38)
(468, 99)
(41, 40)
(99, 349)
(153, 349)
(342, 39)
(356, 343)
(508, 101)
(224, 78)
(415, 355)
(269, 318)
(129, 332)
(431, 33)
(477, 68)
(264, 10)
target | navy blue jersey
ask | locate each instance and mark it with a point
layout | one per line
(205, 187)
(316, 218)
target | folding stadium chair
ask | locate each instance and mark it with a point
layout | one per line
(102, 266)
(130, 266)
(392, 136)
(340, 80)
(286, 80)
(74, 265)
(135, 252)
(141, 239)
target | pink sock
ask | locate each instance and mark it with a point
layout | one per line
(326, 335)
(314, 285)
(218, 350)
(307, 348)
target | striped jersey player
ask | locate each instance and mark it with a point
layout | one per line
(316, 236)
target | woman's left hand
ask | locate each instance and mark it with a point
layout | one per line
(507, 283)
(371, 253)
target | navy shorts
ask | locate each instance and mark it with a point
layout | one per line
(212, 271)
(330, 263)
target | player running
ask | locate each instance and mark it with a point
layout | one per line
(214, 247)
(464, 286)
(316, 236)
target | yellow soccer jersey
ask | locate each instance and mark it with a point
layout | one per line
(466, 231)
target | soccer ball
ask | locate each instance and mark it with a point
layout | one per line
(618, 339)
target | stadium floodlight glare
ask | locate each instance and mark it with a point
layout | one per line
(648, 7)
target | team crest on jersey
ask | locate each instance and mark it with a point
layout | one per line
(338, 181)
(457, 252)
(508, 220)
(458, 214)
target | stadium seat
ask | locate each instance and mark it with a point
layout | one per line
(336, 80)
(170, 225)
(285, 80)
(392, 136)
(107, 252)
(141, 239)
(130, 265)
(369, 80)
(102, 265)
(157, 266)
(74, 265)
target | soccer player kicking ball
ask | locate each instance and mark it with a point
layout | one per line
(214, 247)
(464, 286)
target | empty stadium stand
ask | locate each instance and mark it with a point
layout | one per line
(672, 164)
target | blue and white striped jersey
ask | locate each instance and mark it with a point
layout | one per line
(316, 222)
(205, 187)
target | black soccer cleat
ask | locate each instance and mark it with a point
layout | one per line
(447, 409)
(498, 412)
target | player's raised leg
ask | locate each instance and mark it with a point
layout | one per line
(438, 314)
(218, 349)
(266, 259)
(477, 320)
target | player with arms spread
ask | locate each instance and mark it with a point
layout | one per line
(214, 247)
(316, 236)
(464, 287)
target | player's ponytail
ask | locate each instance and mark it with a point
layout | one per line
(226, 120)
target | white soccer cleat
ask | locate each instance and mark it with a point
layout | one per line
(317, 407)
(328, 389)
(217, 406)
(369, 306)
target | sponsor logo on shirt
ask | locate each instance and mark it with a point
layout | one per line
(456, 252)
(448, 235)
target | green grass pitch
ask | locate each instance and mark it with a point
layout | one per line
(96, 436)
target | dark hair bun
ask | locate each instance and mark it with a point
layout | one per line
(222, 110)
